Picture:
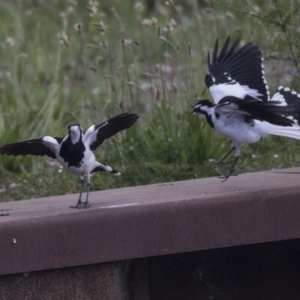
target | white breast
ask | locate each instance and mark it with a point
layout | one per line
(234, 127)
(87, 165)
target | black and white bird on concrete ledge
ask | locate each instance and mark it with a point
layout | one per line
(242, 109)
(75, 152)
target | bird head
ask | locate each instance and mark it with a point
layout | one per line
(202, 107)
(75, 132)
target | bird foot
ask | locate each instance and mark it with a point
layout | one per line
(76, 206)
(86, 205)
(4, 214)
(80, 205)
(225, 177)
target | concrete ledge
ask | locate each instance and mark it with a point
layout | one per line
(101, 281)
(149, 221)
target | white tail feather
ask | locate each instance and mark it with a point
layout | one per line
(291, 132)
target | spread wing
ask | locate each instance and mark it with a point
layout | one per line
(269, 111)
(44, 146)
(236, 72)
(97, 134)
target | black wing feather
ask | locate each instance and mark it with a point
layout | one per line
(223, 51)
(113, 126)
(237, 65)
(215, 53)
(292, 99)
(30, 147)
(232, 49)
(269, 111)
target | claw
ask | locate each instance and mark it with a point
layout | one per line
(225, 177)
(230, 173)
(4, 214)
(78, 205)
(86, 205)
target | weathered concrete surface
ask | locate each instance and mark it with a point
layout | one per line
(94, 282)
(268, 271)
(149, 221)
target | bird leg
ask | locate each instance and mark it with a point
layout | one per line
(225, 177)
(221, 161)
(79, 203)
(86, 203)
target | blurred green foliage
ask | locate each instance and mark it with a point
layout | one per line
(77, 61)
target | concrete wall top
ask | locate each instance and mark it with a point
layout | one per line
(149, 220)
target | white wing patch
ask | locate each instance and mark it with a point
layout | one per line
(219, 91)
(51, 143)
(264, 79)
(279, 97)
(90, 135)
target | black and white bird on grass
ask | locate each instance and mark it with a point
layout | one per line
(75, 152)
(242, 109)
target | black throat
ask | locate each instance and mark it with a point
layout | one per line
(72, 154)
(206, 103)
(209, 120)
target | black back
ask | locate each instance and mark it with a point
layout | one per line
(268, 111)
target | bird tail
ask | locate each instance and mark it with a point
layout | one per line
(289, 98)
(291, 132)
(101, 167)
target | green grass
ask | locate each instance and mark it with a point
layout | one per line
(52, 74)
